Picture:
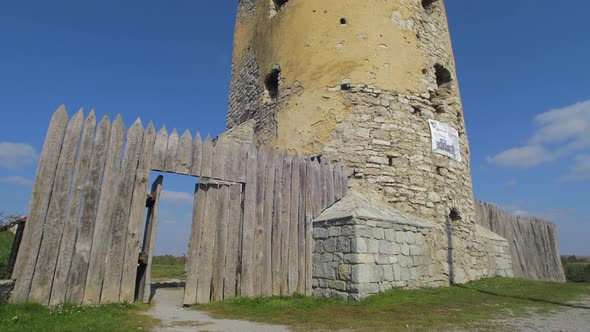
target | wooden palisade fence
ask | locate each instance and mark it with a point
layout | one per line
(252, 220)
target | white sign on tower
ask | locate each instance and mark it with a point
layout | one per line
(445, 140)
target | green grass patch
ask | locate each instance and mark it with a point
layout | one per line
(465, 306)
(6, 240)
(167, 272)
(34, 317)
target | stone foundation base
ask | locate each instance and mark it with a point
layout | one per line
(6, 287)
(363, 246)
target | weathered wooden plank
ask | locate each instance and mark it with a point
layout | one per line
(233, 242)
(149, 240)
(233, 160)
(344, 181)
(337, 182)
(197, 155)
(171, 152)
(285, 223)
(293, 277)
(102, 227)
(310, 185)
(68, 238)
(331, 198)
(124, 194)
(269, 196)
(79, 266)
(276, 225)
(219, 256)
(56, 214)
(190, 289)
(160, 148)
(137, 217)
(301, 228)
(38, 204)
(243, 163)
(324, 174)
(247, 285)
(220, 157)
(207, 158)
(207, 248)
(184, 154)
(258, 246)
(318, 189)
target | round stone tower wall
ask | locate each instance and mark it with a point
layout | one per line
(357, 81)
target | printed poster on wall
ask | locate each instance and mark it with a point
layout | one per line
(445, 140)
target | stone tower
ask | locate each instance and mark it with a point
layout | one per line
(358, 82)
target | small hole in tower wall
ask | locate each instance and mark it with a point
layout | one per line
(343, 21)
(443, 75)
(428, 4)
(271, 82)
(391, 160)
(280, 3)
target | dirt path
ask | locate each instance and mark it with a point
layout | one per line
(570, 319)
(168, 308)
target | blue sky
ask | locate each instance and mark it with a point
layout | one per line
(522, 67)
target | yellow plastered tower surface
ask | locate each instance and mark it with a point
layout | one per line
(360, 82)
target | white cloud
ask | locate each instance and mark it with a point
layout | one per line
(177, 197)
(17, 180)
(515, 210)
(559, 133)
(569, 125)
(16, 155)
(580, 171)
(511, 183)
(523, 157)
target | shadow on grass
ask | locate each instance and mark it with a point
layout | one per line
(532, 299)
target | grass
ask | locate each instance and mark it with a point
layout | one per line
(34, 317)
(167, 272)
(6, 239)
(467, 306)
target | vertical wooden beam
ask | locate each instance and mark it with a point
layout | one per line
(330, 185)
(243, 163)
(318, 189)
(219, 160)
(56, 214)
(276, 225)
(284, 224)
(310, 188)
(337, 182)
(78, 272)
(171, 152)
(233, 242)
(344, 181)
(258, 246)
(160, 148)
(68, 237)
(293, 276)
(207, 158)
(38, 204)
(301, 228)
(102, 228)
(122, 206)
(197, 155)
(247, 270)
(190, 289)
(269, 197)
(185, 154)
(205, 259)
(219, 255)
(137, 216)
(149, 240)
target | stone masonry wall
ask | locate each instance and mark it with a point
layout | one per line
(355, 258)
